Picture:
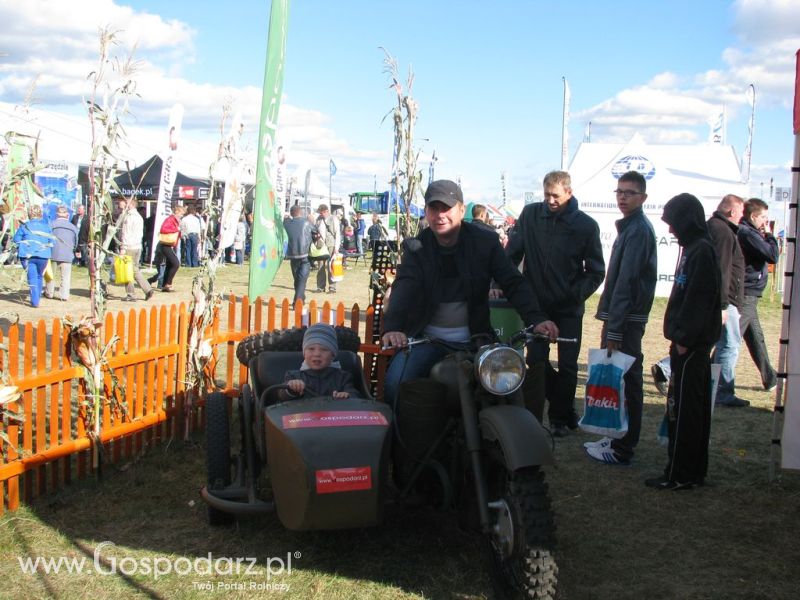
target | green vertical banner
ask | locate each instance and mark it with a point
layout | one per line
(20, 192)
(266, 248)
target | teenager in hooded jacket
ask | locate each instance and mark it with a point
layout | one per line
(692, 324)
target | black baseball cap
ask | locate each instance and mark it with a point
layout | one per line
(444, 191)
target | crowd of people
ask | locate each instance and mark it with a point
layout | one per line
(547, 266)
(449, 271)
(48, 248)
(315, 239)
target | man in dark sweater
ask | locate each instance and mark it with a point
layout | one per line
(760, 248)
(692, 324)
(563, 261)
(723, 227)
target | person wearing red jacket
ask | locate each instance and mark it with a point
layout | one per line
(168, 237)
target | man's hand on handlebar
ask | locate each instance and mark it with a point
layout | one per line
(394, 339)
(547, 328)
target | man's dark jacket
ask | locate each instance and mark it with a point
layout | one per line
(758, 250)
(731, 260)
(416, 291)
(693, 317)
(631, 278)
(83, 231)
(298, 230)
(562, 252)
(485, 226)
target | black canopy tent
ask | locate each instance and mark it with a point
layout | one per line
(143, 183)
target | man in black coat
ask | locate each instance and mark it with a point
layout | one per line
(82, 225)
(480, 218)
(563, 261)
(723, 226)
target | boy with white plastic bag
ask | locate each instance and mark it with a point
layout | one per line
(624, 308)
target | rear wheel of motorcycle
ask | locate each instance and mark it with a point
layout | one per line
(522, 561)
(285, 340)
(218, 453)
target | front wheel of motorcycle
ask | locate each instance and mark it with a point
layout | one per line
(522, 542)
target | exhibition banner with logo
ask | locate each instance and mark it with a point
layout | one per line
(266, 250)
(169, 171)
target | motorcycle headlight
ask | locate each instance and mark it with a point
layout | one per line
(500, 369)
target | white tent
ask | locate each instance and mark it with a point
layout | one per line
(708, 171)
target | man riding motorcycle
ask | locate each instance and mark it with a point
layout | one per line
(442, 287)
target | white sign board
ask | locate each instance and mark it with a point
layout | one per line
(708, 171)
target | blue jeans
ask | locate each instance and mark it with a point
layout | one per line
(192, 258)
(726, 353)
(35, 267)
(410, 364)
(301, 269)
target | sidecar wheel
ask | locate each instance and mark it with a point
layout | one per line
(218, 453)
(521, 550)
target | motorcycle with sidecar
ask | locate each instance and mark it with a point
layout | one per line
(460, 439)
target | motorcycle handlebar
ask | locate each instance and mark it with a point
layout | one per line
(525, 334)
(534, 336)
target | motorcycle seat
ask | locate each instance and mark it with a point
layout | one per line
(269, 368)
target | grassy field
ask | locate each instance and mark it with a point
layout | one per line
(734, 538)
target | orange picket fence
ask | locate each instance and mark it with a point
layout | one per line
(49, 445)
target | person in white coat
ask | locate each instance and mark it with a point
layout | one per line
(132, 232)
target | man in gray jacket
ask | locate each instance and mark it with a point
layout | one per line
(328, 228)
(65, 242)
(298, 231)
(624, 308)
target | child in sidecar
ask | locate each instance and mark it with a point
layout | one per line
(319, 375)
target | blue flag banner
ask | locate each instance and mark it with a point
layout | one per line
(333, 168)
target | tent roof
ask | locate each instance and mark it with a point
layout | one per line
(709, 171)
(143, 181)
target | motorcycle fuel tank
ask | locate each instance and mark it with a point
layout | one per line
(328, 461)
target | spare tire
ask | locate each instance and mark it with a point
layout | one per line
(287, 340)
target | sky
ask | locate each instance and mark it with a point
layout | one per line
(487, 77)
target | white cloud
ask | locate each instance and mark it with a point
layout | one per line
(671, 109)
(57, 44)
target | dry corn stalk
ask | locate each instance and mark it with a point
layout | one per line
(205, 297)
(9, 393)
(405, 178)
(88, 352)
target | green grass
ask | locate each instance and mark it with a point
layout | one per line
(734, 538)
